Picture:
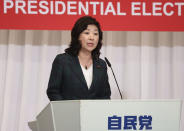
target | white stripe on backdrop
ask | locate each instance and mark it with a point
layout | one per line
(148, 65)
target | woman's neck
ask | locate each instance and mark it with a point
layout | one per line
(85, 55)
(85, 59)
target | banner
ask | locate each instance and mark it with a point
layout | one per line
(113, 15)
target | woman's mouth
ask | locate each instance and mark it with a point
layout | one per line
(90, 44)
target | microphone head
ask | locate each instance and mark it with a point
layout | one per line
(107, 61)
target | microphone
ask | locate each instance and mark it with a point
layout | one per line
(109, 64)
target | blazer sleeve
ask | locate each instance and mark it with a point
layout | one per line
(54, 90)
(107, 92)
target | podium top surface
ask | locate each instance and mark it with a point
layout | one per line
(119, 100)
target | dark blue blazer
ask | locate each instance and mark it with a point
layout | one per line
(67, 81)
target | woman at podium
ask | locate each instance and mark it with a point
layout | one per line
(79, 73)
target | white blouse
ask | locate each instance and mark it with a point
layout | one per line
(88, 74)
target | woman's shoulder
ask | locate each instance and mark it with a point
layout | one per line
(102, 62)
(62, 57)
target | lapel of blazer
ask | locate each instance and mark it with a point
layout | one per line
(76, 68)
(96, 73)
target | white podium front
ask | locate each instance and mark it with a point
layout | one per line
(109, 115)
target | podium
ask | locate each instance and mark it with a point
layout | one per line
(109, 115)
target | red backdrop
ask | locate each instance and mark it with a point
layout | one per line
(120, 15)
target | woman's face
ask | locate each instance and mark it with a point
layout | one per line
(89, 38)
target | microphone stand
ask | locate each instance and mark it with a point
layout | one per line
(109, 64)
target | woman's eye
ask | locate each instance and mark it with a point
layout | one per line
(95, 33)
(86, 32)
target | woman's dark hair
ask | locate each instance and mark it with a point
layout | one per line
(81, 25)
